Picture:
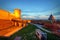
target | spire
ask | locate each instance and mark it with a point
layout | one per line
(51, 18)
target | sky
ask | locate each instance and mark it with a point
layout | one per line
(33, 9)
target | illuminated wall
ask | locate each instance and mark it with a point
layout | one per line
(8, 16)
(4, 14)
(29, 21)
(17, 13)
(16, 21)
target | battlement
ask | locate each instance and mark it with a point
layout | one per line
(8, 15)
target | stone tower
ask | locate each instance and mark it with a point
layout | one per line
(17, 13)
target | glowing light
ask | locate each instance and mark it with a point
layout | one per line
(17, 13)
(6, 23)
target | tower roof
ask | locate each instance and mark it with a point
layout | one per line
(51, 17)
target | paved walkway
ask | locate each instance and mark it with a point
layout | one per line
(41, 27)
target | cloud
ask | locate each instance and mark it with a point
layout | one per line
(35, 17)
(57, 17)
(28, 17)
(43, 17)
(25, 14)
(57, 13)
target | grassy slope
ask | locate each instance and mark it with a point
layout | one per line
(26, 33)
(51, 36)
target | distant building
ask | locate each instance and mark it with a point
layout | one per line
(51, 18)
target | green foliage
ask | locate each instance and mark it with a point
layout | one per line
(27, 33)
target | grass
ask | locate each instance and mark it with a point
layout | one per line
(51, 36)
(47, 28)
(27, 33)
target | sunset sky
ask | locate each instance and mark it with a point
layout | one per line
(33, 9)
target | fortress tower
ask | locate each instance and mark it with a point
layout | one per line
(17, 13)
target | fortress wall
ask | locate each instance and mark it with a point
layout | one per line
(8, 16)
(5, 15)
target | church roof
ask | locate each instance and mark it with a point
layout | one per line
(51, 17)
